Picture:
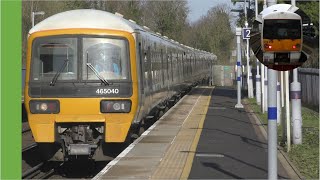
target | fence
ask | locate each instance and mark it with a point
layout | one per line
(309, 79)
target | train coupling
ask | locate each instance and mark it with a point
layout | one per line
(81, 149)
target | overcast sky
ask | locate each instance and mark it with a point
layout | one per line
(199, 8)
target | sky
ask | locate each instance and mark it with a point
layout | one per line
(199, 8)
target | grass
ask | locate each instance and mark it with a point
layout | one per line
(304, 156)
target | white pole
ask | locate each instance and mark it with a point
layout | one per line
(278, 103)
(272, 120)
(296, 109)
(296, 104)
(282, 89)
(250, 82)
(262, 88)
(286, 78)
(32, 18)
(242, 81)
(238, 33)
(272, 125)
(256, 8)
(258, 86)
(250, 92)
(266, 89)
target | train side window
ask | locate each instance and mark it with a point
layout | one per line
(171, 67)
(149, 65)
(141, 68)
(167, 68)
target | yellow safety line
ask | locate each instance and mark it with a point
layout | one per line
(192, 151)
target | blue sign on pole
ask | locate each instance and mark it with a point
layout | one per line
(246, 33)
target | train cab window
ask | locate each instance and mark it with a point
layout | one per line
(109, 57)
(52, 56)
(282, 29)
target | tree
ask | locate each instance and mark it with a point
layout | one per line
(167, 17)
(212, 33)
(50, 8)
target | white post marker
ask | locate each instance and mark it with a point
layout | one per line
(296, 109)
(242, 77)
(286, 78)
(251, 82)
(258, 88)
(278, 104)
(296, 104)
(238, 34)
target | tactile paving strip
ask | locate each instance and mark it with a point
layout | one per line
(174, 161)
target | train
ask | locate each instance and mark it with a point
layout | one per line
(95, 80)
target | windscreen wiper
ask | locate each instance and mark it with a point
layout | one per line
(55, 77)
(104, 81)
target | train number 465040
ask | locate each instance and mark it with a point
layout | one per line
(107, 91)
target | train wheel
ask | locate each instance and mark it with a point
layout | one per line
(141, 128)
(161, 113)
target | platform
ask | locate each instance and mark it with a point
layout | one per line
(202, 137)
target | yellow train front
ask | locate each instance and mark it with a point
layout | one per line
(281, 38)
(94, 78)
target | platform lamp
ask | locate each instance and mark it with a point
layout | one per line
(33, 14)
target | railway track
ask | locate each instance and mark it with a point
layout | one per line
(43, 170)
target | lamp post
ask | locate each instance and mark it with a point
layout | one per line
(33, 14)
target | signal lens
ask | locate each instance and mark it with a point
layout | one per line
(115, 106)
(269, 47)
(294, 47)
(44, 106)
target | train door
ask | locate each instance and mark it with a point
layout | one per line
(169, 71)
(147, 77)
(162, 69)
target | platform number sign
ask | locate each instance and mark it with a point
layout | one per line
(246, 33)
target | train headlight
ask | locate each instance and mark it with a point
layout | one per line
(44, 106)
(297, 46)
(115, 106)
(267, 46)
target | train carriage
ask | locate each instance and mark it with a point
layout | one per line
(94, 78)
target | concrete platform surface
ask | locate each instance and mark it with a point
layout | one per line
(202, 137)
(162, 151)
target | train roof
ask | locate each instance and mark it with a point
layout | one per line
(97, 19)
(282, 15)
(85, 18)
(276, 8)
